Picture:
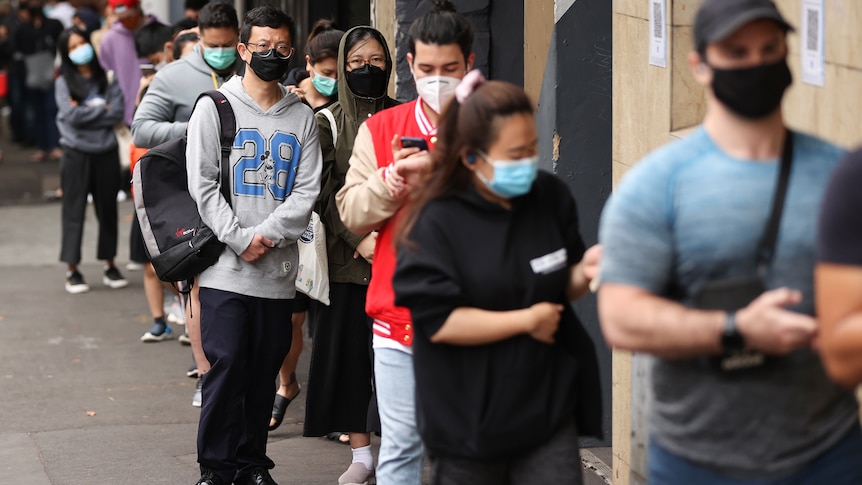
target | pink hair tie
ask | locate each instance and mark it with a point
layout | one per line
(467, 85)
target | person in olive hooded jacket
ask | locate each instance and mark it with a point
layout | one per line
(340, 376)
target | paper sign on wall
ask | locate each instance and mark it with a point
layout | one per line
(812, 37)
(658, 33)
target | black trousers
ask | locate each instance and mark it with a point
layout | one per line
(558, 461)
(89, 173)
(245, 340)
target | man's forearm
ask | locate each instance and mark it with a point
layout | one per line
(636, 320)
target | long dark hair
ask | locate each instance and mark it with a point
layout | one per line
(463, 130)
(78, 86)
(323, 40)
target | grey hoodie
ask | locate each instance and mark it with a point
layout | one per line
(165, 110)
(274, 181)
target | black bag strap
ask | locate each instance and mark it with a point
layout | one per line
(227, 123)
(766, 249)
(227, 128)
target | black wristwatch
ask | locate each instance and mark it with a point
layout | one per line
(731, 339)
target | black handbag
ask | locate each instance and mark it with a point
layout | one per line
(731, 294)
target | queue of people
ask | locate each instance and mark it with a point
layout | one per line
(452, 259)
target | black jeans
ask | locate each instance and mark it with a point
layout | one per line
(89, 173)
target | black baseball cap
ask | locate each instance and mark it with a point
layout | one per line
(716, 20)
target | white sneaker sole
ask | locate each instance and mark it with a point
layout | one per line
(173, 318)
(148, 337)
(115, 284)
(76, 289)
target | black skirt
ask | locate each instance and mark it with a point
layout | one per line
(340, 379)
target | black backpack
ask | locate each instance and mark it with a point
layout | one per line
(180, 245)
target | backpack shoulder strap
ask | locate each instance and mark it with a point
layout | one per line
(332, 126)
(227, 123)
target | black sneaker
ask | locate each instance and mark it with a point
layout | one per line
(113, 278)
(209, 478)
(75, 283)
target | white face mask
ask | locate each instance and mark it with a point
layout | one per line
(436, 91)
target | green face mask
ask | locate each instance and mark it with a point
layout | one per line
(324, 85)
(219, 57)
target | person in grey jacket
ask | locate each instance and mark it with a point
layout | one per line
(246, 296)
(88, 108)
(165, 110)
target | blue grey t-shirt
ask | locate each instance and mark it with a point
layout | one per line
(688, 214)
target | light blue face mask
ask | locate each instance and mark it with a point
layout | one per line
(82, 55)
(324, 85)
(220, 57)
(512, 178)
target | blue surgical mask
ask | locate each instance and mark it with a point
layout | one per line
(512, 178)
(220, 57)
(82, 55)
(324, 85)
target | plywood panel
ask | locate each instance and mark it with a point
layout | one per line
(688, 104)
(684, 11)
(632, 8)
(538, 29)
(621, 386)
(641, 93)
(831, 112)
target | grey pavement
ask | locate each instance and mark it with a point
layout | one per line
(82, 400)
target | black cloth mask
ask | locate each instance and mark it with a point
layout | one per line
(271, 68)
(368, 81)
(752, 92)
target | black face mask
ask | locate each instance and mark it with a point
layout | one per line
(271, 68)
(752, 92)
(368, 81)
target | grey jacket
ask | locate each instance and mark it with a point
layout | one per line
(165, 110)
(274, 181)
(89, 127)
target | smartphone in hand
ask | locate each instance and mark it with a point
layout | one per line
(411, 142)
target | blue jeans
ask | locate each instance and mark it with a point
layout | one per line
(838, 466)
(400, 460)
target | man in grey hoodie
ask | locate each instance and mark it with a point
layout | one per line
(246, 296)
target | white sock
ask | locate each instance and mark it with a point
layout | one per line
(363, 455)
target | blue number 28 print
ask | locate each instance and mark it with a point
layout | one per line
(269, 167)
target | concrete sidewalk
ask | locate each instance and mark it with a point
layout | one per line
(83, 400)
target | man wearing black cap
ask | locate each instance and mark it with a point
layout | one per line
(707, 266)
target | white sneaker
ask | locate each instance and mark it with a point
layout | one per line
(134, 266)
(113, 278)
(75, 283)
(356, 474)
(174, 312)
(197, 399)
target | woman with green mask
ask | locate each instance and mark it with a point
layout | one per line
(317, 84)
(317, 89)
